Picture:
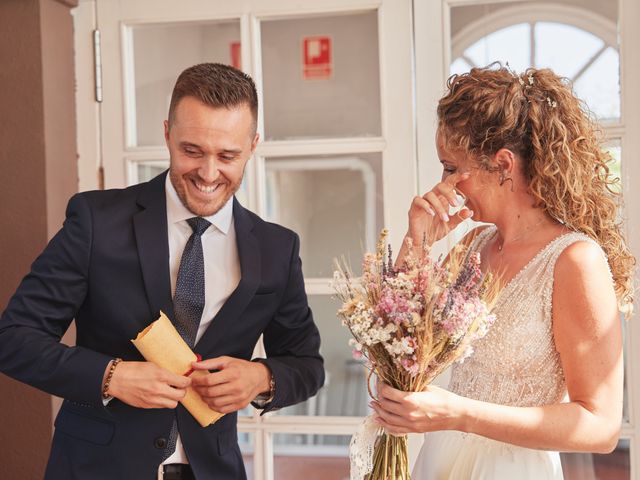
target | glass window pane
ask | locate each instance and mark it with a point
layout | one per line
(511, 44)
(345, 390)
(587, 466)
(459, 66)
(146, 170)
(160, 53)
(246, 440)
(615, 168)
(600, 85)
(309, 456)
(333, 202)
(246, 411)
(557, 45)
(339, 96)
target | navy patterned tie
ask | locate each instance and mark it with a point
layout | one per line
(188, 301)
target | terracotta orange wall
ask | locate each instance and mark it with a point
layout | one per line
(38, 169)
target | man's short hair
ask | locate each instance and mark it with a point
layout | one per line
(216, 85)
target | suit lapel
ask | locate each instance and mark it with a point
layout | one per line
(250, 261)
(150, 225)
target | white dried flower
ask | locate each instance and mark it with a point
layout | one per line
(375, 334)
(399, 347)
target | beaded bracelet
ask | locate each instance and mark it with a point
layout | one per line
(107, 381)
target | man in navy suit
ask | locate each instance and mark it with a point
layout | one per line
(121, 258)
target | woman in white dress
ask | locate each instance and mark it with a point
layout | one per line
(548, 377)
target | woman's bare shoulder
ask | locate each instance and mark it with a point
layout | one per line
(582, 260)
(583, 291)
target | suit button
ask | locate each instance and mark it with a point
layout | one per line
(160, 442)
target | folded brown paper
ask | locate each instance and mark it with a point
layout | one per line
(160, 343)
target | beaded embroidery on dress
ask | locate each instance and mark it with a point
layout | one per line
(517, 364)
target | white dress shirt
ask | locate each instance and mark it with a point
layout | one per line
(221, 264)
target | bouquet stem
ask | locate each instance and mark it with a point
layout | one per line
(390, 458)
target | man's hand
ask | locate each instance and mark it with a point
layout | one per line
(234, 385)
(145, 385)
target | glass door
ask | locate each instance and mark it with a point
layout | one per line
(336, 162)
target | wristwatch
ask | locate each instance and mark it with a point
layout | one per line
(264, 397)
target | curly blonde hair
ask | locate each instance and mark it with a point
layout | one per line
(537, 116)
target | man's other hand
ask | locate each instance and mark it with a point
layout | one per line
(233, 384)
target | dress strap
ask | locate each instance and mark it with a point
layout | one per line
(482, 238)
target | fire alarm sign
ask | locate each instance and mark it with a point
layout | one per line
(317, 58)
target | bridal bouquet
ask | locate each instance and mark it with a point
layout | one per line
(410, 322)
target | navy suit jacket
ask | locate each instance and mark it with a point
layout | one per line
(108, 267)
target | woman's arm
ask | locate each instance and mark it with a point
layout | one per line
(587, 334)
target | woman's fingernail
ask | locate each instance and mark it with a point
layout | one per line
(444, 217)
(432, 213)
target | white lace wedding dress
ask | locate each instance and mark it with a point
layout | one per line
(515, 364)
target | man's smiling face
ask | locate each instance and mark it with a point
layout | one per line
(209, 148)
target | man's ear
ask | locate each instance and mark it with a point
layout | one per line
(254, 143)
(166, 132)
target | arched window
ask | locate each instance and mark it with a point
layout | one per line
(575, 43)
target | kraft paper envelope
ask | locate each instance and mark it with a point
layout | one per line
(160, 343)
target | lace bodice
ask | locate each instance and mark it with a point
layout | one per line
(517, 363)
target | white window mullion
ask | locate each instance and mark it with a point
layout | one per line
(252, 44)
(266, 448)
(329, 146)
(614, 130)
(308, 424)
(128, 61)
(532, 45)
